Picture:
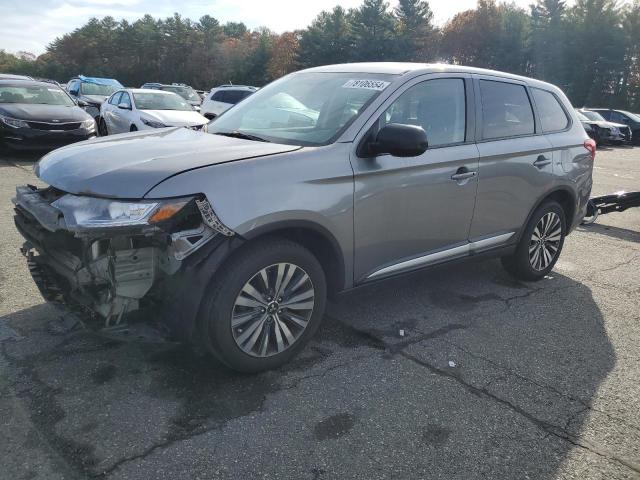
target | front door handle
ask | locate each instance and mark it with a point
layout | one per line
(463, 173)
(542, 161)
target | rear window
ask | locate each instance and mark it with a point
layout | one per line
(506, 110)
(234, 96)
(219, 96)
(552, 115)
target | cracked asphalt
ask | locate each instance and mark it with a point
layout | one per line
(493, 378)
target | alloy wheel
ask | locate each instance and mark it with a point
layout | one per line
(272, 310)
(545, 241)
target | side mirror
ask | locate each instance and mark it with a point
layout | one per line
(400, 140)
(124, 106)
(82, 103)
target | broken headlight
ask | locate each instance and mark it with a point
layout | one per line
(89, 212)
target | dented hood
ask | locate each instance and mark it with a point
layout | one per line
(131, 164)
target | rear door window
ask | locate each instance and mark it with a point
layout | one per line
(605, 113)
(618, 118)
(438, 106)
(552, 116)
(506, 110)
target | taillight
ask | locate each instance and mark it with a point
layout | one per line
(590, 144)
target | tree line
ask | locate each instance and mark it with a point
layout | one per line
(590, 48)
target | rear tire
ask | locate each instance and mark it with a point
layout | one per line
(252, 321)
(540, 244)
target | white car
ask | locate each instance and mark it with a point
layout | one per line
(222, 98)
(132, 109)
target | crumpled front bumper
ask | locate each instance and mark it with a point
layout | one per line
(113, 272)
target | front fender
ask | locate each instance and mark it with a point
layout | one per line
(310, 185)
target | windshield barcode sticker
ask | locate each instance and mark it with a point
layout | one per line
(366, 84)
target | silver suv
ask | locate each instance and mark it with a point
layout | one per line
(324, 180)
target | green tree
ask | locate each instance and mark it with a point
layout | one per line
(472, 36)
(629, 86)
(595, 51)
(549, 40)
(234, 29)
(327, 40)
(417, 37)
(373, 29)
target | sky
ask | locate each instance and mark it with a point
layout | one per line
(31, 25)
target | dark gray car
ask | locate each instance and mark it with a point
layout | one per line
(236, 236)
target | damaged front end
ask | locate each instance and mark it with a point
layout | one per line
(110, 257)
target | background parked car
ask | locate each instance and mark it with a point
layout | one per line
(632, 120)
(607, 132)
(185, 91)
(132, 109)
(12, 76)
(222, 98)
(37, 115)
(599, 132)
(90, 92)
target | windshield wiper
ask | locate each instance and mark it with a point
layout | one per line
(244, 136)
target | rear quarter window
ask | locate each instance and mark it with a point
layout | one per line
(506, 110)
(552, 116)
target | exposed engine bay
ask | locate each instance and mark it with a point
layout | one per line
(108, 271)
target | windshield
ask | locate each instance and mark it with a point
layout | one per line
(34, 94)
(95, 89)
(160, 101)
(593, 116)
(187, 93)
(304, 108)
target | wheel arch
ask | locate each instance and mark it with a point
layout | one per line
(317, 239)
(565, 197)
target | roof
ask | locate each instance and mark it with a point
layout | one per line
(239, 87)
(101, 81)
(147, 90)
(22, 83)
(402, 68)
(157, 84)
(13, 76)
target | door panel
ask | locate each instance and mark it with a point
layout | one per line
(407, 207)
(509, 183)
(410, 207)
(516, 167)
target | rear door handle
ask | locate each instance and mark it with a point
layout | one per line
(542, 161)
(463, 173)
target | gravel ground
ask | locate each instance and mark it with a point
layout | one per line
(544, 382)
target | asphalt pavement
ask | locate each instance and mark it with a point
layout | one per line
(456, 373)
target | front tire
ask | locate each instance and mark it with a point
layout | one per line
(540, 244)
(264, 305)
(102, 127)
